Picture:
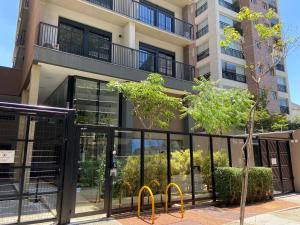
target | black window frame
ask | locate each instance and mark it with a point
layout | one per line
(158, 9)
(156, 51)
(86, 30)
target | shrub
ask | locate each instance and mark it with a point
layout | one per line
(229, 184)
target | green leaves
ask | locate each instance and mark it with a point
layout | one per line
(231, 35)
(217, 110)
(152, 106)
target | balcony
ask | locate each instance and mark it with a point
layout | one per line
(273, 7)
(232, 52)
(116, 54)
(284, 110)
(282, 88)
(234, 76)
(236, 26)
(149, 15)
(202, 32)
(201, 9)
(280, 67)
(202, 55)
(233, 7)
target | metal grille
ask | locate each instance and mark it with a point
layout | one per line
(30, 184)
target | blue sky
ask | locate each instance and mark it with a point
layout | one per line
(289, 13)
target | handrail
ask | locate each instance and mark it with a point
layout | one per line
(181, 198)
(152, 199)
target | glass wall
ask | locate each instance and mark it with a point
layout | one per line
(181, 166)
(91, 174)
(95, 103)
(202, 167)
(155, 165)
(127, 161)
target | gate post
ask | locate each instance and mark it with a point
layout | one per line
(65, 202)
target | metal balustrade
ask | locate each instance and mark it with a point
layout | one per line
(232, 52)
(234, 76)
(202, 32)
(202, 55)
(282, 88)
(201, 9)
(150, 15)
(117, 54)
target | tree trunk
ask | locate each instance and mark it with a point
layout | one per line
(246, 149)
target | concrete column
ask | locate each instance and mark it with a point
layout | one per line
(189, 123)
(33, 89)
(127, 114)
(129, 35)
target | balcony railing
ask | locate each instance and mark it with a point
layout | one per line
(232, 52)
(201, 9)
(236, 26)
(282, 88)
(230, 6)
(280, 67)
(149, 15)
(202, 32)
(202, 55)
(284, 110)
(117, 54)
(234, 76)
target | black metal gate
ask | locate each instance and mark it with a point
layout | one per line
(276, 154)
(33, 143)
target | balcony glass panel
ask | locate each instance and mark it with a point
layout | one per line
(98, 47)
(70, 39)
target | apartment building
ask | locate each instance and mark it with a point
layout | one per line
(228, 65)
(68, 50)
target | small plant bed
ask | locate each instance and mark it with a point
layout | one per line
(229, 185)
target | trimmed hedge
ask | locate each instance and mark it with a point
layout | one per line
(229, 184)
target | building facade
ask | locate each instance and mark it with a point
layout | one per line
(228, 65)
(68, 51)
(65, 53)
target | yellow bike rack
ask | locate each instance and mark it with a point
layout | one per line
(181, 197)
(139, 202)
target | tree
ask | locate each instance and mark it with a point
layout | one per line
(269, 37)
(152, 106)
(217, 110)
(279, 123)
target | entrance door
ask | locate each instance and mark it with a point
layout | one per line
(92, 170)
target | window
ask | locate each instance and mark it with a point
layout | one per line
(265, 5)
(202, 28)
(226, 21)
(83, 40)
(203, 51)
(156, 16)
(274, 95)
(232, 71)
(283, 102)
(154, 59)
(253, 1)
(201, 7)
(281, 81)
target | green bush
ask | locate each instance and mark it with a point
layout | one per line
(229, 184)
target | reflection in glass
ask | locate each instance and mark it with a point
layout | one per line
(155, 167)
(181, 167)
(91, 177)
(126, 159)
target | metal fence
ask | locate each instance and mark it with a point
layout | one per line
(32, 148)
(51, 169)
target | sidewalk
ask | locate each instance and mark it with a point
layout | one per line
(283, 210)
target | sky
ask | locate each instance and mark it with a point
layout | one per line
(289, 10)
